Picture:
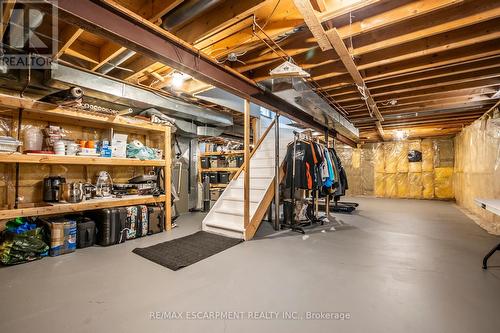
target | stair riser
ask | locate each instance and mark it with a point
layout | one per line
(223, 232)
(226, 217)
(254, 183)
(238, 193)
(236, 207)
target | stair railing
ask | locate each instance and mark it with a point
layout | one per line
(261, 139)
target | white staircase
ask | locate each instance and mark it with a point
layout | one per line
(226, 216)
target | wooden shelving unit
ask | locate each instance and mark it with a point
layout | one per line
(218, 185)
(83, 160)
(33, 109)
(220, 169)
(24, 108)
(222, 153)
(232, 171)
(65, 208)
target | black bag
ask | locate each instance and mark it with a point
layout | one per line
(414, 156)
(156, 219)
(109, 228)
(85, 232)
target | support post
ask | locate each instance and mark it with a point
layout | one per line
(327, 202)
(167, 173)
(277, 172)
(255, 132)
(246, 187)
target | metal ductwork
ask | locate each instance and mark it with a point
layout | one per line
(298, 93)
(117, 61)
(107, 89)
(209, 131)
(186, 11)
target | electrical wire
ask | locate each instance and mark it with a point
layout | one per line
(268, 19)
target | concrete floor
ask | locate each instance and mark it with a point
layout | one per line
(397, 266)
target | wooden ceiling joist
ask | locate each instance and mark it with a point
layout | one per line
(68, 36)
(218, 19)
(8, 7)
(319, 5)
(336, 42)
(427, 91)
(399, 14)
(161, 7)
(427, 65)
(313, 23)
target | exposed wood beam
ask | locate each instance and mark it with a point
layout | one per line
(436, 107)
(146, 38)
(299, 41)
(452, 77)
(110, 50)
(211, 24)
(8, 7)
(409, 100)
(161, 7)
(217, 19)
(435, 23)
(446, 80)
(438, 72)
(313, 23)
(471, 35)
(319, 5)
(463, 54)
(437, 118)
(335, 41)
(380, 130)
(426, 63)
(138, 67)
(431, 123)
(427, 91)
(84, 51)
(68, 36)
(446, 42)
(107, 52)
(436, 103)
(348, 62)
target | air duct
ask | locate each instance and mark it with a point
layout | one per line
(117, 61)
(186, 11)
(298, 93)
(107, 89)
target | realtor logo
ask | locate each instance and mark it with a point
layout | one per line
(29, 34)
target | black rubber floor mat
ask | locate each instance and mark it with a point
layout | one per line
(185, 251)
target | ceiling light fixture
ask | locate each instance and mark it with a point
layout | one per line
(400, 134)
(288, 69)
(178, 79)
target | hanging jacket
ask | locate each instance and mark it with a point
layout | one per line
(304, 166)
(330, 174)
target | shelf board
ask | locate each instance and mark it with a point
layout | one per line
(492, 205)
(218, 185)
(63, 208)
(84, 160)
(52, 112)
(220, 169)
(221, 153)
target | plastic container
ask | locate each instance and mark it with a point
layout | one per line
(9, 144)
(59, 148)
(223, 177)
(33, 139)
